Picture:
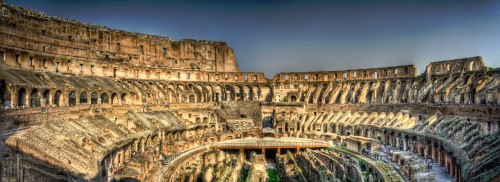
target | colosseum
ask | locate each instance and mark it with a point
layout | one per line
(83, 102)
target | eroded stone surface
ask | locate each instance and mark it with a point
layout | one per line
(85, 102)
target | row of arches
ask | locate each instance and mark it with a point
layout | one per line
(160, 92)
(457, 90)
(36, 98)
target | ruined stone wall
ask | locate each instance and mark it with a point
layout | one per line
(459, 143)
(35, 41)
(465, 88)
(358, 74)
(69, 89)
(210, 165)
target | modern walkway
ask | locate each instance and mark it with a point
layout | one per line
(257, 143)
(440, 174)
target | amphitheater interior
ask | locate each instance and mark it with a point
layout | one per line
(83, 102)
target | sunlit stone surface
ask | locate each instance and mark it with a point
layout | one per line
(85, 102)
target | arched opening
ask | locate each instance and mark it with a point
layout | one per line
(104, 98)
(72, 98)
(114, 98)
(217, 96)
(293, 98)
(192, 98)
(267, 122)
(205, 120)
(83, 98)
(4, 93)
(21, 97)
(93, 98)
(333, 128)
(34, 98)
(57, 98)
(46, 96)
(124, 98)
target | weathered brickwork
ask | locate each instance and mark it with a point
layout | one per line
(84, 102)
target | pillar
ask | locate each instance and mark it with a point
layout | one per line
(242, 153)
(279, 151)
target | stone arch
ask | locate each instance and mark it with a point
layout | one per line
(247, 92)
(382, 93)
(171, 93)
(256, 92)
(267, 93)
(72, 98)
(268, 122)
(21, 97)
(46, 96)
(114, 98)
(202, 92)
(238, 93)
(369, 93)
(218, 93)
(57, 98)
(209, 90)
(5, 94)
(320, 93)
(205, 120)
(104, 98)
(93, 98)
(313, 89)
(293, 98)
(353, 96)
(333, 128)
(34, 98)
(192, 98)
(229, 93)
(124, 98)
(181, 93)
(83, 98)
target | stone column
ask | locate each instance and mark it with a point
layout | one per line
(242, 153)
(397, 143)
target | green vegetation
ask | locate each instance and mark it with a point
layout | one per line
(272, 175)
(244, 175)
(349, 179)
(285, 99)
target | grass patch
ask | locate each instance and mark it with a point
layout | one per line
(272, 175)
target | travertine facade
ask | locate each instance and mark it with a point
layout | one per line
(85, 102)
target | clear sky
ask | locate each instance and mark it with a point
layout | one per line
(274, 36)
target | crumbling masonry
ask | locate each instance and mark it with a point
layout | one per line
(84, 102)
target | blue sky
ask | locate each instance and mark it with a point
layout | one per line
(273, 36)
